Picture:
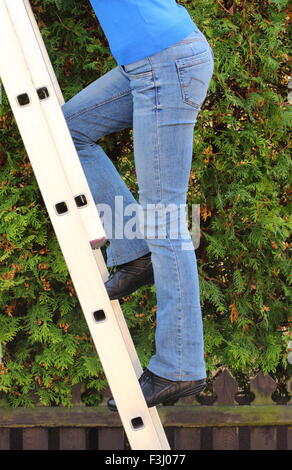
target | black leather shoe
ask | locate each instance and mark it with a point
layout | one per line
(158, 390)
(129, 277)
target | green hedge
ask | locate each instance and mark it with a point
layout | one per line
(240, 178)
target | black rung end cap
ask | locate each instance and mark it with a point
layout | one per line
(23, 99)
(81, 200)
(61, 208)
(137, 423)
(43, 93)
(99, 315)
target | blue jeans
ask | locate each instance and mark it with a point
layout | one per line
(160, 97)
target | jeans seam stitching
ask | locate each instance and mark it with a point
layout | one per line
(156, 157)
(180, 317)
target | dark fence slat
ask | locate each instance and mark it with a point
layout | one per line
(53, 438)
(263, 438)
(206, 438)
(243, 438)
(187, 439)
(225, 438)
(72, 438)
(16, 439)
(4, 439)
(111, 439)
(225, 387)
(92, 441)
(262, 386)
(281, 437)
(35, 439)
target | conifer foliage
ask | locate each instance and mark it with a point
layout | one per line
(240, 177)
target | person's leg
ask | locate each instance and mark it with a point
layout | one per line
(168, 89)
(103, 107)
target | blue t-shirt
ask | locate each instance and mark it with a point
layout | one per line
(138, 28)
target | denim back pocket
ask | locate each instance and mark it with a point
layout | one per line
(194, 74)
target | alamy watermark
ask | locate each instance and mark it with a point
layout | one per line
(152, 221)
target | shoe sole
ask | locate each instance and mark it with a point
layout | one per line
(171, 401)
(175, 399)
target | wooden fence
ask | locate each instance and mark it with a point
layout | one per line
(226, 422)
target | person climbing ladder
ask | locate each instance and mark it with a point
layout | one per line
(164, 68)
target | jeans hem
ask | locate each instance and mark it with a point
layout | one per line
(121, 260)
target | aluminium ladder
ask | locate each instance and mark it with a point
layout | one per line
(35, 99)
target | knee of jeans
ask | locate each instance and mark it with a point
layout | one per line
(162, 221)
